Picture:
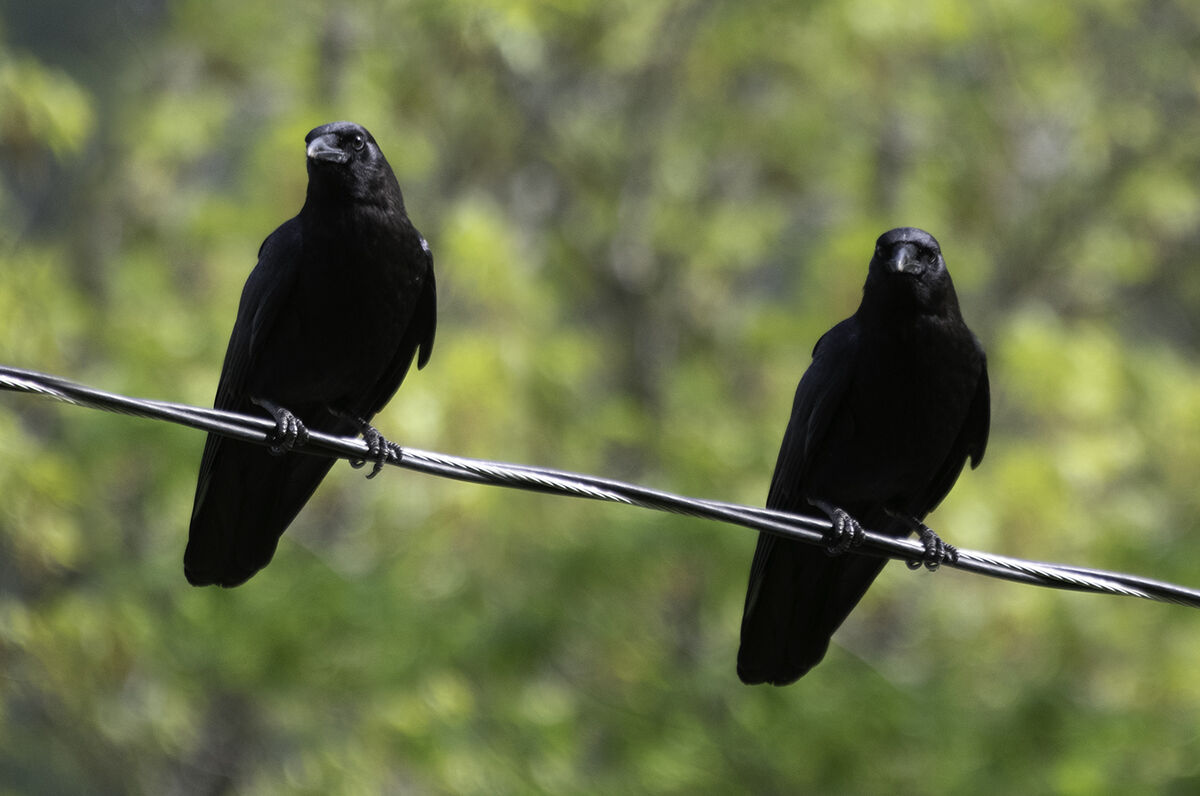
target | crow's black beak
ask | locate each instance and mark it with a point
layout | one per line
(904, 259)
(326, 147)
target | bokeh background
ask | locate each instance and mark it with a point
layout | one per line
(643, 216)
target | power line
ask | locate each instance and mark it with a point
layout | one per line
(811, 530)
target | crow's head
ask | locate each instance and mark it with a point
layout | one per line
(345, 162)
(908, 270)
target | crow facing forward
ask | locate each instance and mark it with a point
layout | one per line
(340, 303)
(894, 403)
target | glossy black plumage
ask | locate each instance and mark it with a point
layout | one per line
(340, 303)
(895, 402)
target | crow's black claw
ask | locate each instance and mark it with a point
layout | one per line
(390, 454)
(936, 552)
(289, 432)
(845, 534)
(379, 450)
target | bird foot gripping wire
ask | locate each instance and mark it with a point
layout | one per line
(936, 552)
(379, 449)
(289, 432)
(845, 534)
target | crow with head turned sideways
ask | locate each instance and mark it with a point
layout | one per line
(340, 303)
(894, 403)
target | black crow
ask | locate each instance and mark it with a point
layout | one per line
(894, 403)
(341, 302)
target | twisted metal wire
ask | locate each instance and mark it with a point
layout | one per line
(811, 530)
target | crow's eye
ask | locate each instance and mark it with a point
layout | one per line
(359, 141)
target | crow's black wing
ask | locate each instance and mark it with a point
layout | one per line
(417, 342)
(245, 496)
(266, 290)
(968, 445)
(797, 594)
(819, 395)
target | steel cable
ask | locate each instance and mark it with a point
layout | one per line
(811, 530)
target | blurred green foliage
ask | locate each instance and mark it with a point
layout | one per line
(643, 216)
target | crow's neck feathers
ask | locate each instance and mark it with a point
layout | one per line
(895, 298)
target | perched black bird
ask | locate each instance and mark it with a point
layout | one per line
(341, 301)
(894, 403)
